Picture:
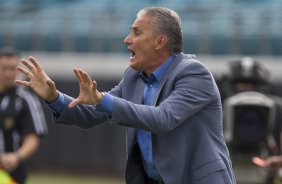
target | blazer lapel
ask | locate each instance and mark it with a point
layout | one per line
(138, 92)
(137, 99)
(171, 68)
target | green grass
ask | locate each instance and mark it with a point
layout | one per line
(49, 178)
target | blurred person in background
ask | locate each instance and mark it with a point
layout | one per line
(168, 101)
(245, 74)
(22, 120)
(248, 75)
(275, 165)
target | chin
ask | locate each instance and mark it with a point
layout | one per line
(132, 64)
(134, 67)
(5, 87)
(136, 64)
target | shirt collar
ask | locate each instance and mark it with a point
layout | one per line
(157, 75)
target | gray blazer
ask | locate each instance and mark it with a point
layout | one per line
(186, 124)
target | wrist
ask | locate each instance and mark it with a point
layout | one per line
(53, 97)
(101, 96)
(18, 156)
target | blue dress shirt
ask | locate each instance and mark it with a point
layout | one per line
(143, 137)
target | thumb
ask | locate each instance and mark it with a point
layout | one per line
(74, 103)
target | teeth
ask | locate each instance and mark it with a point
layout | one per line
(132, 52)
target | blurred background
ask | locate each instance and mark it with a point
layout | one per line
(89, 34)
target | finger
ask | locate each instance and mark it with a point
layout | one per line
(77, 74)
(94, 85)
(29, 66)
(259, 162)
(83, 77)
(87, 78)
(74, 103)
(25, 72)
(35, 63)
(50, 83)
(23, 83)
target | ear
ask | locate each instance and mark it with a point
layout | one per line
(161, 42)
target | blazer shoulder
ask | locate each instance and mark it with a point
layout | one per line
(189, 63)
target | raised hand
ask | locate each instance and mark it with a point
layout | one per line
(88, 93)
(274, 163)
(39, 81)
(9, 161)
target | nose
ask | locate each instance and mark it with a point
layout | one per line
(127, 40)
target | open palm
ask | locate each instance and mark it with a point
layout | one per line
(39, 81)
(88, 93)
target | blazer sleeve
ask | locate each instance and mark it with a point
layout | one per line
(85, 116)
(192, 89)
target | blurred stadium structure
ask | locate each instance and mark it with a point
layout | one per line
(209, 26)
(89, 34)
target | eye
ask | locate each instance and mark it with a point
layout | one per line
(137, 32)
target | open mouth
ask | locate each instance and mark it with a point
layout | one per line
(132, 54)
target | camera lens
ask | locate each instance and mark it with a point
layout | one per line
(250, 124)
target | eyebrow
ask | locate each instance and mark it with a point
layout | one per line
(135, 27)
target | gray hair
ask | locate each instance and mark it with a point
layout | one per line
(9, 52)
(167, 22)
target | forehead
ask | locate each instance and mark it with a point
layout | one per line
(142, 22)
(8, 60)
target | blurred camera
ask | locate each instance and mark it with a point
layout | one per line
(249, 119)
(252, 120)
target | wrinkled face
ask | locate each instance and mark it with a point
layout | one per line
(141, 43)
(8, 72)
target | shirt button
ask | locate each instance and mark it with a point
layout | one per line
(151, 85)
